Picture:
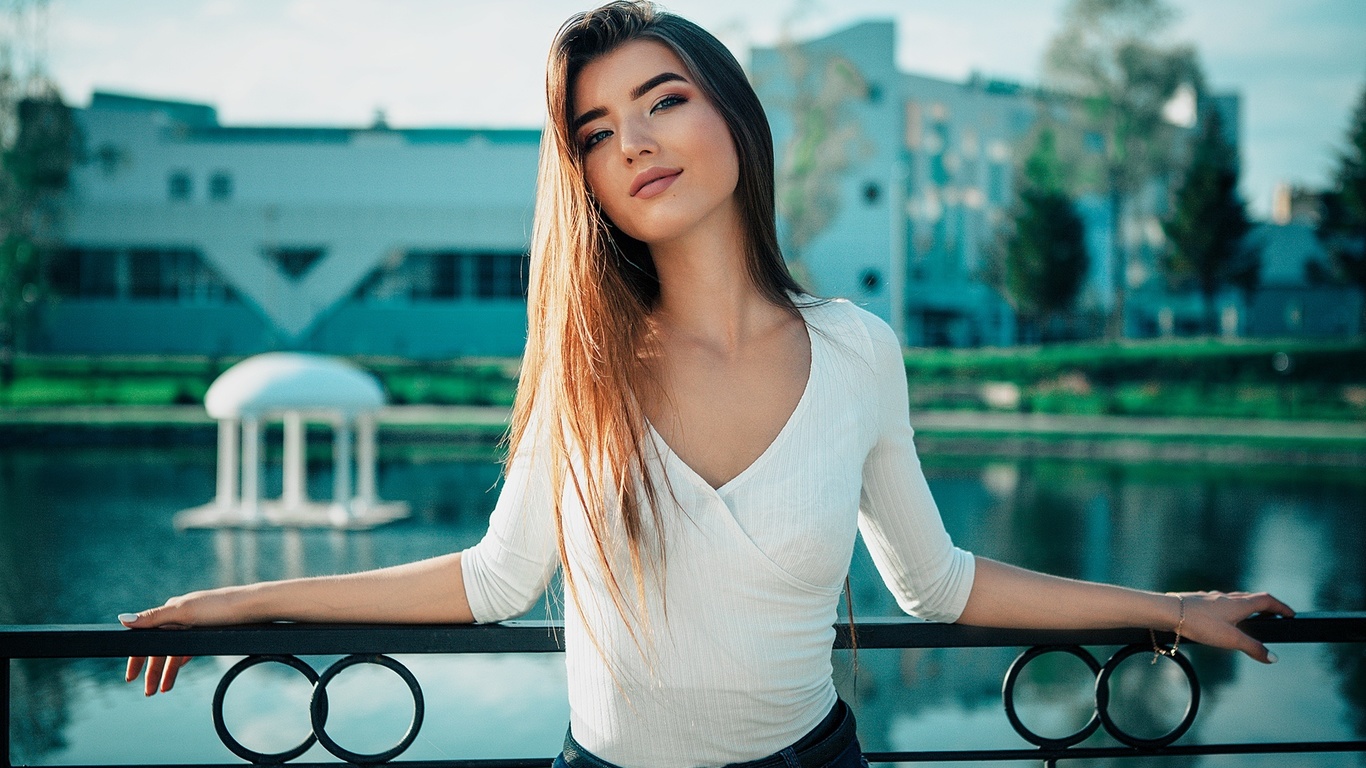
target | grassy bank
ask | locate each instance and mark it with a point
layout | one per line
(1183, 378)
(1186, 378)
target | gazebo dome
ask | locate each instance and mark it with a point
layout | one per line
(288, 381)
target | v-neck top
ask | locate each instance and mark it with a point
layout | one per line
(731, 660)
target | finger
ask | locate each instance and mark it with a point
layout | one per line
(134, 668)
(1254, 649)
(172, 669)
(1269, 604)
(153, 679)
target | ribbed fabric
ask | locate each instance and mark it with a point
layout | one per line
(740, 666)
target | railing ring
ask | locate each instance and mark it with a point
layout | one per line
(1008, 696)
(1103, 699)
(318, 709)
(235, 746)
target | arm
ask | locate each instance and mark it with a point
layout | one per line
(425, 592)
(496, 579)
(934, 580)
(1005, 596)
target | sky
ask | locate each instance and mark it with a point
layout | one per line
(1299, 65)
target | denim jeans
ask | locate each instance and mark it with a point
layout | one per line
(837, 727)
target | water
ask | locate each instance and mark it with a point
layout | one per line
(86, 534)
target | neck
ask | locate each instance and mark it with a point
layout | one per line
(706, 294)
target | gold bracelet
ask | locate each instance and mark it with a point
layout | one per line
(1180, 622)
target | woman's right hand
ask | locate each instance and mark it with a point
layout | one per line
(214, 607)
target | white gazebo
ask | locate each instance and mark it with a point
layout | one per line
(294, 388)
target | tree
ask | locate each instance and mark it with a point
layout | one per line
(39, 142)
(1207, 230)
(1045, 252)
(1103, 54)
(1342, 230)
(824, 143)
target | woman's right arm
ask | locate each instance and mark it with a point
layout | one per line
(425, 592)
(500, 577)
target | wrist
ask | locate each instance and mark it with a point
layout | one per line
(1168, 611)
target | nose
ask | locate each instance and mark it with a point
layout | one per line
(637, 140)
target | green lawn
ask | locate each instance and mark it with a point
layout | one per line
(1314, 380)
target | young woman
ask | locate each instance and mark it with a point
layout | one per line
(695, 442)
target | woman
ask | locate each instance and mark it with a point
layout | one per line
(695, 442)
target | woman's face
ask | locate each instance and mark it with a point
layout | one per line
(657, 154)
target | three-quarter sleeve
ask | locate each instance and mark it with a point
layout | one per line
(900, 523)
(508, 570)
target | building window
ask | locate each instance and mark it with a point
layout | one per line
(110, 159)
(84, 273)
(295, 261)
(141, 274)
(912, 125)
(179, 186)
(446, 276)
(220, 186)
(416, 276)
(174, 274)
(998, 183)
(500, 275)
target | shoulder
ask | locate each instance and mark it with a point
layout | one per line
(843, 321)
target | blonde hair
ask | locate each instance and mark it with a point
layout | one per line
(592, 288)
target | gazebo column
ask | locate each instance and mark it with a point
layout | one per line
(226, 498)
(251, 468)
(365, 462)
(341, 470)
(293, 495)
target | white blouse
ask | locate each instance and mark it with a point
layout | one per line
(735, 662)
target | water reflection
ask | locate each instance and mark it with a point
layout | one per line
(86, 534)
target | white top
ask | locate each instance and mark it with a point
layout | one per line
(740, 666)
(292, 381)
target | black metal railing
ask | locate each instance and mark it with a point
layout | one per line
(284, 643)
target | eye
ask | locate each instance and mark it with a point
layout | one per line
(592, 139)
(672, 100)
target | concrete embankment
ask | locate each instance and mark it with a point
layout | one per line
(1113, 438)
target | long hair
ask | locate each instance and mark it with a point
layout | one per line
(592, 288)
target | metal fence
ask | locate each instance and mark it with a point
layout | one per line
(369, 644)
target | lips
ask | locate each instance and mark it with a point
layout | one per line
(652, 181)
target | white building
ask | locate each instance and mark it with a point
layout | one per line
(185, 236)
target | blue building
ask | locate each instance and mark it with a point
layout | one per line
(186, 236)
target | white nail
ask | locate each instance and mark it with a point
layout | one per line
(1271, 657)
(128, 618)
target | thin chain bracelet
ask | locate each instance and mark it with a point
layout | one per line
(1180, 622)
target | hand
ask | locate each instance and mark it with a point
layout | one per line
(1212, 619)
(208, 608)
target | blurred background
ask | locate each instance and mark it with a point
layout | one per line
(1123, 242)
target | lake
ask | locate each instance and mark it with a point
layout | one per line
(85, 533)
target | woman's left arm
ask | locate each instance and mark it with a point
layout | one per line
(1005, 596)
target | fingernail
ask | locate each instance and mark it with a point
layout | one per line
(127, 618)
(1271, 657)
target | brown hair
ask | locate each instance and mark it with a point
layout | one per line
(592, 288)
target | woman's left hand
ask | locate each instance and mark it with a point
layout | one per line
(1212, 619)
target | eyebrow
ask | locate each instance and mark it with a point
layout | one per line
(636, 93)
